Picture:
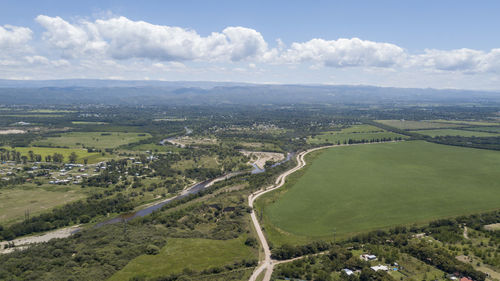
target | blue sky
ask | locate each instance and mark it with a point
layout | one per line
(441, 44)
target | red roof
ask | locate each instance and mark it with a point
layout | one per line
(465, 279)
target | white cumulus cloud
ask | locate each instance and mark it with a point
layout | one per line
(345, 53)
(465, 60)
(14, 36)
(122, 38)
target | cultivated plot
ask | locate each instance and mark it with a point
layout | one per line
(351, 189)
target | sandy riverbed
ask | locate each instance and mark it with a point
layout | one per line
(22, 243)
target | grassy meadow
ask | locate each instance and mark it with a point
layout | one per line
(416, 125)
(455, 132)
(186, 253)
(14, 202)
(92, 139)
(485, 129)
(356, 132)
(358, 188)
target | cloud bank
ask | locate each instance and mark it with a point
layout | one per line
(122, 43)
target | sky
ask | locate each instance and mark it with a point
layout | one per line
(438, 44)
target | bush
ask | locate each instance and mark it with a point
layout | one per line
(152, 250)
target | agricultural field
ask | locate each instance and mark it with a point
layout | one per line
(88, 123)
(355, 133)
(416, 125)
(92, 157)
(484, 129)
(455, 132)
(187, 254)
(352, 189)
(16, 201)
(98, 140)
(470, 123)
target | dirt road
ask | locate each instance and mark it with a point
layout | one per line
(268, 264)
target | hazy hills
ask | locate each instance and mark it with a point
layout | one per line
(222, 93)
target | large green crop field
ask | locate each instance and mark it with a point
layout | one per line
(352, 189)
(455, 132)
(93, 139)
(415, 125)
(187, 253)
(355, 133)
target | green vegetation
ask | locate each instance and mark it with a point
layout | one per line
(472, 123)
(15, 202)
(454, 132)
(183, 254)
(98, 140)
(82, 154)
(485, 129)
(355, 133)
(359, 188)
(88, 123)
(414, 125)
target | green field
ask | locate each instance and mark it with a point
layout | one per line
(92, 157)
(34, 115)
(356, 132)
(415, 125)
(187, 253)
(455, 132)
(485, 129)
(88, 123)
(472, 123)
(92, 139)
(358, 188)
(14, 202)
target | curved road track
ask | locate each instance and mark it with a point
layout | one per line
(268, 264)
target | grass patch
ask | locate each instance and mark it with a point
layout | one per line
(414, 125)
(88, 123)
(186, 253)
(454, 132)
(93, 139)
(203, 162)
(14, 202)
(355, 133)
(485, 129)
(92, 157)
(156, 147)
(34, 115)
(365, 187)
(472, 123)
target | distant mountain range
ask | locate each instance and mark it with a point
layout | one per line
(83, 91)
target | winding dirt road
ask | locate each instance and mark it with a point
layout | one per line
(268, 264)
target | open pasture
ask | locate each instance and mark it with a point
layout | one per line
(416, 125)
(485, 129)
(186, 253)
(469, 123)
(455, 132)
(92, 139)
(352, 189)
(15, 202)
(355, 133)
